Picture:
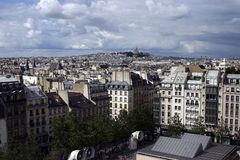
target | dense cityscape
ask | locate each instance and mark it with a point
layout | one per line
(60, 104)
(119, 80)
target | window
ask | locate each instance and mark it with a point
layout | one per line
(125, 93)
(163, 92)
(31, 113)
(125, 99)
(125, 106)
(37, 112)
(227, 89)
(231, 110)
(232, 89)
(232, 98)
(120, 92)
(226, 121)
(237, 110)
(237, 90)
(179, 107)
(120, 99)
(163, 107)
(196, 103)
(226, 109)
(175, 100)
(175, 107)
(237, 98)
(115, 105)
(115, 92)
(197, 95)
(169, 92)
(115, 98)
(187, 93)
(227, 97)
(179, 100)
(120, 105)
(43, 111)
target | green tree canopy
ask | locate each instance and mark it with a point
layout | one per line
(175, 126)
(199, 126)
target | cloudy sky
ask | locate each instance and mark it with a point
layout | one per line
(167, 27)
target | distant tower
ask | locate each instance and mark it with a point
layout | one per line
(34, 63)
(136, 51)
(27, 65)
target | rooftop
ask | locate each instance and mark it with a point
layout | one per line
(189, 147)
(233, 76)
(7, 79)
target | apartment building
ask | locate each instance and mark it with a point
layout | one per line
(173, 96)
(230, 98)
(13, 100)
(37, 114)
(212, 80)
(178, 97)
(193, 98)
(128, 90)
(77, 103)
(157, 106)
(95, 91)
(56, 108)
(166, 92)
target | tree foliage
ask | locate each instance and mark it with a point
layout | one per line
(199, 126)
(21, 151)
(70, 133)
(175, 126)
(232, 70)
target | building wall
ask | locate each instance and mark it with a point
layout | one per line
(230, 105)
(146, 157)
(3, 132)
(120, 99)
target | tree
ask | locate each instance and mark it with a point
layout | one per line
(221, 130)
(175, 126)
(22, 151)
(199, 126)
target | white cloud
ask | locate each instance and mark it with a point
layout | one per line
(51, 8)
(172, 25)
(166, 9)
(194, 46)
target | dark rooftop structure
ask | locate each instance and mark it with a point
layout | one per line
(188, 147)
(55, 100)
(77, 100)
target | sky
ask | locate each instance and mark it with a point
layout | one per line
(190, 28)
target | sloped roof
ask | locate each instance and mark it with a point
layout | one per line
(204, 140)
(177, 147)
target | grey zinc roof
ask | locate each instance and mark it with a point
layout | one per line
(204, 140)
(177, 147)
(233, 76)
(212, 74)
(181, 77)
(5, 79)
